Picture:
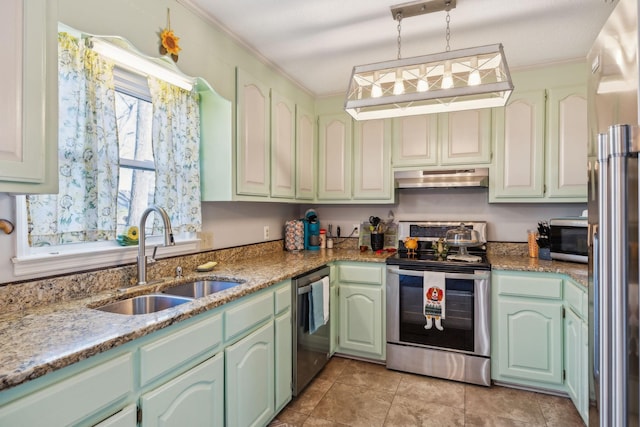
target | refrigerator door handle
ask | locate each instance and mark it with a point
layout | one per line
(596, 307)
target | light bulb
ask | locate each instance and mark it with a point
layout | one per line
(376, 91)
(474, 75)
(423, 85)
(398, 86)
(474, 78)
(447, 79)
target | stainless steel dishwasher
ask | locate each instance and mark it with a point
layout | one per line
(310, 350)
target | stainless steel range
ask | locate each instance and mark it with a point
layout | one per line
(438, 302)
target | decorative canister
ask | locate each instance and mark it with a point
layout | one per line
(323, 238)
(294, 235)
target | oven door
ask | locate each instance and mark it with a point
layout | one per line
(466, 325)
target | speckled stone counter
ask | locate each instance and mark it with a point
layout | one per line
(46, 338)
(576, 271)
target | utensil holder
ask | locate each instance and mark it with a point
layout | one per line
(377, 241)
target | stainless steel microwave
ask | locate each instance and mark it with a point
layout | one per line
(569, 239)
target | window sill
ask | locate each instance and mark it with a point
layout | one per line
(41, 265)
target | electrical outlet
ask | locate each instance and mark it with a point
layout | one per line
(357, 228)
(266, 232)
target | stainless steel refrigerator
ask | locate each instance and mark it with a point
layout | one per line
(613, 220)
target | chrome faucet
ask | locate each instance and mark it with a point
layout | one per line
(168, 241)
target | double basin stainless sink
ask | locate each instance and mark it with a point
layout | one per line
(170, 297)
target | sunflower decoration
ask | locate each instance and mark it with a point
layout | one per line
(169, 41)
(130, 238)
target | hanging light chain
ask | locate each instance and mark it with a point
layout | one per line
(399, 19)
(448, 32)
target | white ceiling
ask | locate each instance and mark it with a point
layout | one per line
(317, 42)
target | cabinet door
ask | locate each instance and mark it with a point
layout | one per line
(305, 155)
(414, 140)
(250, 379)
(567, 142)
(583, 391)
(283, 148)
(361, 319)
(284, 364)
(530, 339)
(252, 133)
(372, 160)
(334, 318)
(465, 137)
(194, 398)
(29, 88)
(334, 157)
(573, 357)
(519, 144)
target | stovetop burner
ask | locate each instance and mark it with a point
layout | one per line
(425, 257)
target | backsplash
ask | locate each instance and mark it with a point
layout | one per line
(18, 296)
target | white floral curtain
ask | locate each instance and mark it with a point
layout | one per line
(176, 152)
(84, 209)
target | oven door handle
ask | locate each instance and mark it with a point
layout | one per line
(462, 276)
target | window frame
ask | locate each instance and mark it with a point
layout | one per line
(33, 262)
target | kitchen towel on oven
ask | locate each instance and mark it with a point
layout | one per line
(318, 304)
(434, 298)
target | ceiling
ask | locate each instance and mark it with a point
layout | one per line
(317, 42)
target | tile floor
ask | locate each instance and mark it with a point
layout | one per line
(354, 393)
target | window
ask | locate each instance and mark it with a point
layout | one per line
(126, 141)
(136, 184)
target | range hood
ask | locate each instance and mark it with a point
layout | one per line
(453, 178)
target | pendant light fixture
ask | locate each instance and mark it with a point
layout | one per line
(455, 80)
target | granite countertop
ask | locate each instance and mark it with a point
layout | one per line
(43, 339)
(576, 271)
(46, 338)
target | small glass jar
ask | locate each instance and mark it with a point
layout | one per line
(532, 243)
(323, 238)
(329, 243)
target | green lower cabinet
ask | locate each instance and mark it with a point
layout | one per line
(361, 309)
(284, 373)
(573, 349)
(361, 320)
(78, 399)
(249, 385)
(125, 418)
(194, 398)
(334, 318)
(533, 334)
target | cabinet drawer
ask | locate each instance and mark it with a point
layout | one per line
(575, 298)
(247, 314)
(283, 298)
(371, 274)
(74, 399)
(166, 354)
(528, 286)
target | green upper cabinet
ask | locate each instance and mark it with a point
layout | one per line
(541, 138)
(29, 88)
(334, 156)
(442, 140)
(354, 160)
(283, 147)
(567, 142)
(252, 136)
(465, 137)
(372, 179)
(305, 155)
(519, 136)
(415, 141)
